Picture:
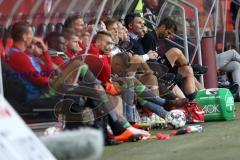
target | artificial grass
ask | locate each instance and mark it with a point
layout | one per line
(218, 141)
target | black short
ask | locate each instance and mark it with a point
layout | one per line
(163, 60)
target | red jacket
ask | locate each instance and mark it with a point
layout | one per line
(105, 72)
(27, 64)
(72, 55)
(58, 60)
(104, 68)
(69, 53)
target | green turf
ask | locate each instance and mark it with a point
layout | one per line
(219, 141)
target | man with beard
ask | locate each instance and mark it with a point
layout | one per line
(174, 59)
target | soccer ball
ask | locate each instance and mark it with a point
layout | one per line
(176, 118)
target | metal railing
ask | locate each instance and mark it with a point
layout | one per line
(89, 2)
(34, 9)
(197, 32)
(161, 12)
(54, 7)
(13, 11)
(184, 26)
(224, 24)
(237, 30)
(204, 28)
(224, 11)
(216, 21)
(115, 5)
(237, 26)
(69, 9)
(126, 9)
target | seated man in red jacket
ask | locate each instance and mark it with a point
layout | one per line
(72, 43)
(101, 47)
(24, 62)
(57, 48)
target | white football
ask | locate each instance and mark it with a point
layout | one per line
(176, 118)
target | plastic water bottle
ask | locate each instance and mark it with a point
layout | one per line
(187, 129)
(195, 128)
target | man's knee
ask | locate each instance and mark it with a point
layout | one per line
(236, 65)
(149, 79)
(151, 82)
(175, 56)
(234, 51)
(185, 71)
(175, 52)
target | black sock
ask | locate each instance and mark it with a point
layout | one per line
(116, 127)
(191, 96)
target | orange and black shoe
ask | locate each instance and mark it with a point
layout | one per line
(128, 136)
